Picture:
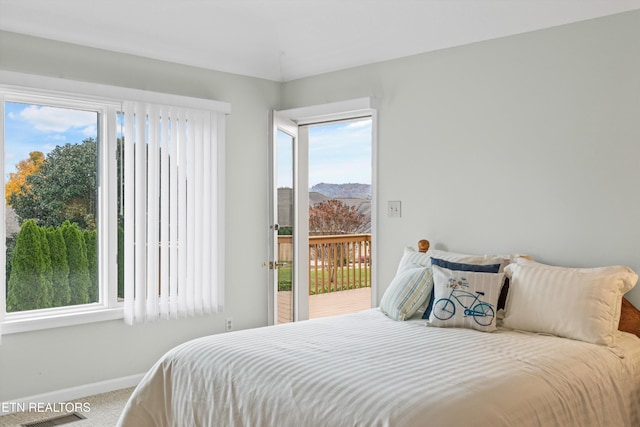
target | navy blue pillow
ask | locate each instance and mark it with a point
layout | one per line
(458, 266)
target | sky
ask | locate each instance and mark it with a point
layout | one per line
(339, 153)
(36, 128)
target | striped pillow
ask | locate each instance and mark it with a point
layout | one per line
(407, 292)
(412, 257)
(578, 303)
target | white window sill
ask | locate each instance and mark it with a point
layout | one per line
(14, 324)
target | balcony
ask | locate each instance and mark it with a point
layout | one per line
(339, 275)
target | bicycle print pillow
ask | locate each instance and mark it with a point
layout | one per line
(465, 299)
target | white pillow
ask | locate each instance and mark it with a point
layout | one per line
(465, 299)
(578, 303)
(407, 292)
(412, 257)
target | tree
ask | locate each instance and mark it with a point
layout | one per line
(28, 287)
(332, 217)
(60, 267)
(335, 217)
(17, 182)
(63, 188)
(120, 262)
(79, 279)
(90, 239)
(46, 258)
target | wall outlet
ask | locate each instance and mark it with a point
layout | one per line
(393, 209)
(228, 324)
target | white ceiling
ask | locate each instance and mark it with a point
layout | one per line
(284, 40)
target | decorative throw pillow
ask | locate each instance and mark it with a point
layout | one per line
(412, 257)
(578, 303)
(503, 260)
(465, 299)
(407, 292)
(458, 266)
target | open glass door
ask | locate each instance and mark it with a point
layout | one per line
(315, 271)
(282, 286)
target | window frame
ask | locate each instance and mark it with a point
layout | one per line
(107, 100)
(107, 307)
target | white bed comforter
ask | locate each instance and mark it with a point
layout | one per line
(367, 370)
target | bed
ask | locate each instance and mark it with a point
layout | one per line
(386, 368)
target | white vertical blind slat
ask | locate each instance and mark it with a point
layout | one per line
(153, 194)
(217, 214)
(182, 216)
(140, 205)
(173, 217)
(164, 214)
(191, 198)
(198, 176)
(206, 260)
(129, 214)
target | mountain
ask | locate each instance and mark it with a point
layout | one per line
(356, 191)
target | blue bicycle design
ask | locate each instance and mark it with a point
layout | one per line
(482, 312)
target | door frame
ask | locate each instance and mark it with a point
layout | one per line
(301, 117)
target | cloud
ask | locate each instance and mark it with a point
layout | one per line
(90, 131)
(51, 119)
(359, 124)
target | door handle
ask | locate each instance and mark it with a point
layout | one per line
(274, 265)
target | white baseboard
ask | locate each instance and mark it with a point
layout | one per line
(73, 393)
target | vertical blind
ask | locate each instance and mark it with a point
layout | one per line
(171, 204)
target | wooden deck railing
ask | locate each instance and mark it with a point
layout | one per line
(336, 263)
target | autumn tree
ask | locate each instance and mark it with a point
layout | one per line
(63, 188)
(17, 182)
(335, 217)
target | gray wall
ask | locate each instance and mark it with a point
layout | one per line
(527, 143)
(43, 361)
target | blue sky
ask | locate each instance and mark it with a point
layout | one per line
(339, 153)
(36, 128)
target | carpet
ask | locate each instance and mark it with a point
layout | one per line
(101, 410)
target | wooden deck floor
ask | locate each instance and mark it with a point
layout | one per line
(331, 304)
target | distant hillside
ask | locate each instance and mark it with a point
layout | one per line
(357, 191)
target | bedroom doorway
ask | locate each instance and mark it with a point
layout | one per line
(340, 175)
(322, 211)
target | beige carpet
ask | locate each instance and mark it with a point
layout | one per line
(101, 410)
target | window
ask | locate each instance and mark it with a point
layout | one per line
(51, 165)
(112, 206)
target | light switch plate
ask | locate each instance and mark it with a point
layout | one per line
(393, 210)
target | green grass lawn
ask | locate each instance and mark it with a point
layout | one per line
(284, 279)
